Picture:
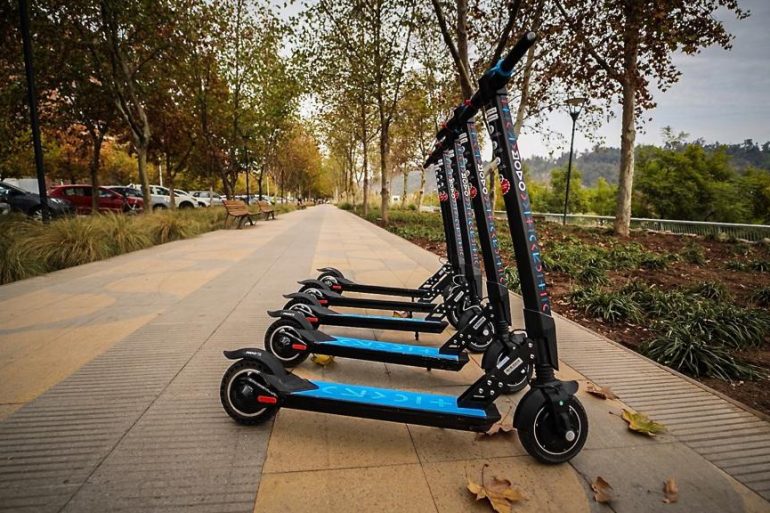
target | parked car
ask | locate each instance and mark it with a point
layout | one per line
(109, 201)
(207, 199)
(128, 192)
(161, 197)
(19, 200)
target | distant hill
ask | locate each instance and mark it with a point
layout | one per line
(602, 161)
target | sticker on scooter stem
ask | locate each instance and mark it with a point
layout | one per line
(505, 185)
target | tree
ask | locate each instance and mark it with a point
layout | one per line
(626, 50)
(690, 184)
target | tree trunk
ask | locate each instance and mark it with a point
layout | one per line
(521, 112)
(366, 172)
(259, 183)
(628, 127)
(491, 182)
(421, 192)
(626, 178)
(94, 170)
(141, 164)
(171, 176)
(462, 35)
(403, 193)
(384, 171)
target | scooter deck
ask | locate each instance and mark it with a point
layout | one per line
(381, 304)
(386, 352)
(379, 322)
(393, 405)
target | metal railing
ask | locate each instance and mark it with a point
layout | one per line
(749, 232)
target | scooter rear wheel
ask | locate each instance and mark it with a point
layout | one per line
(280, 345)
(538, 433)
(241, 385)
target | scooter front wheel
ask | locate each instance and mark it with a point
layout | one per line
(280, 339)
(245, 394)
(538, 431)
(329, 278)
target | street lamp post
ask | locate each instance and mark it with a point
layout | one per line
(575, 106)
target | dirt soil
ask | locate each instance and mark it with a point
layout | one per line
(741, 285)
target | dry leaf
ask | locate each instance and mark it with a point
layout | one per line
(499, 492)
(499, 427)
(322, 359)
(603, 392)
(671, 491)
(401, 314)
(640, 423)
(601, 490)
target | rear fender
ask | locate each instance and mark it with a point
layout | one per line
(315, 283)
(331, 270)
(306, 298)
(293, 315)
(257, 355)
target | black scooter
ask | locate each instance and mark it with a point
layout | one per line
(459, 283)
(551, 423)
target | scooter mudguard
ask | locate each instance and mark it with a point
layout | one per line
(310, 298)
(317, 284)
(331, 270)
(257, 355)
(294, 315)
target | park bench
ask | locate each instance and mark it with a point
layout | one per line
(237, 210)
(266, 208)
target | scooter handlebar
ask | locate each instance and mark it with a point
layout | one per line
(517, 52)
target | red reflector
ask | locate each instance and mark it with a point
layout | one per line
(323, 301)
(313, 320)
(266, 399)
(336, 287)
(299, 347)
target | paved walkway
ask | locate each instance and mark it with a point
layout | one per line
(109, 377)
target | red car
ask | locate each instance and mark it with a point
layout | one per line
(109, 200)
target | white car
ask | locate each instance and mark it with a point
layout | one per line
(207, 199)
(161, 197)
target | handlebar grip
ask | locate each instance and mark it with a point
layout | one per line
(517, 52)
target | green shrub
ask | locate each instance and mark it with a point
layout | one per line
(411, 206)
(592, 275)
(512, 280)
(694, 254)
(164, 227)
(68, 242)
(710, 290)
(609, 306)
(762, 266)
(654, 262)
(124, 233)
(736, 265)
(762, 296)
(681, 350)
(346, 205)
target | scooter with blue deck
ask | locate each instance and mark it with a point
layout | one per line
(461, 293)
(551, 422)
(461, 298)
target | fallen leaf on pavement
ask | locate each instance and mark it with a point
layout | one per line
(322, 359)
(499, 427)
(499, 492)
(602, 490)
(671, 491)
(402, 315)
(640, 423)
(603, 392)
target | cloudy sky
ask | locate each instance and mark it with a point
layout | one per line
(722, 95)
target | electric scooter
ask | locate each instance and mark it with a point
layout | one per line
(461, 294)
(551, 423)
(293, 338)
